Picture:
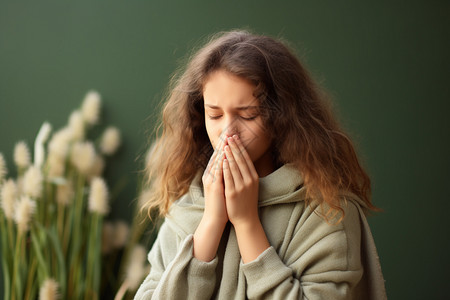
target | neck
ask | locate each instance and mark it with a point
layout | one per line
(264, 165)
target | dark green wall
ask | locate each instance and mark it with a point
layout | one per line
(386, 64)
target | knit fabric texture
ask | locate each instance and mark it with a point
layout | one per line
(309, 258)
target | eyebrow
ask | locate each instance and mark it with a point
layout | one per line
(237, 108)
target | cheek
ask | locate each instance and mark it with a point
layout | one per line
(252, 133)
(212, 133)
(258, 141)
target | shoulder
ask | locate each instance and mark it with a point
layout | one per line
(317, 228)
(184, 215)
(322, 213)
(318, 246)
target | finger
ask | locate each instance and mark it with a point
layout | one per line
(219, 147)
(218, 170)
(234, 168)
(212, 163)
(222, 141)
(239, 157)
(210, 166)
(250, 165)
(227, 177)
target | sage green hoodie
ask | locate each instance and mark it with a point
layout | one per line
(308, 258)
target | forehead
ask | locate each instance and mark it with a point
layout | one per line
(222, 88)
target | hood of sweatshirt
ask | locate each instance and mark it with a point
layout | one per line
(284, 185)
(281, 186)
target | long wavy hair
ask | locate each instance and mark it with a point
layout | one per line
(296, 112)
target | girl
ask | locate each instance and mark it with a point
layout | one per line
(262, 192)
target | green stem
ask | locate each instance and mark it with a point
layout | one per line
(15, 267)
(61, 271)
(10, 233)
(75, 260)
(60, 220)
(97, 256)
(94, 259)
(31, 280)
(67, 232)
(6, 279)
(39, 256)
(90, 260)
(23, 264)
(5, 261)
(40, 212)
(48, 201)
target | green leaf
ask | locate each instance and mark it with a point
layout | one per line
(61, 262)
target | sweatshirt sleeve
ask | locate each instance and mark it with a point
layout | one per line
(177, 274)
(322, 261)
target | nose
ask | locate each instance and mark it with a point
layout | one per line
(231, 127)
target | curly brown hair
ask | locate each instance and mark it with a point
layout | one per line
(296, 112)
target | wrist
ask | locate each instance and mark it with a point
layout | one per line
(251, 238)
(213, 223)
(247, 224)
(207, 238)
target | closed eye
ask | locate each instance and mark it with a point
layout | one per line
(249, 118)
(214, 117)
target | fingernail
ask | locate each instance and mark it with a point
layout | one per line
(236, 137)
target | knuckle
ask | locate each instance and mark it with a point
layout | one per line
(232, 193)
(255, 177)
(239, 188)
(249, 181)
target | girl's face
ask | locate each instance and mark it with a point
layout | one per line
(231, 108)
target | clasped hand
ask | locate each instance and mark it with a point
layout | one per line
(230, 183)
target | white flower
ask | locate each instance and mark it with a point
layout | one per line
(110, 141)
(107, 237)
(19, 185)
(98, 197)
(32, 182)
(49, 290)
(59, 144)
(56, 165)
(3, 170)
(65, 193)
(83, 156)
(136, 269)
(25, 209)
(58, 148)
(8, 198)
(76, 125)
(97, 167)
(39, 153)
(121, 233)
(91, 107)
(22, 155)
